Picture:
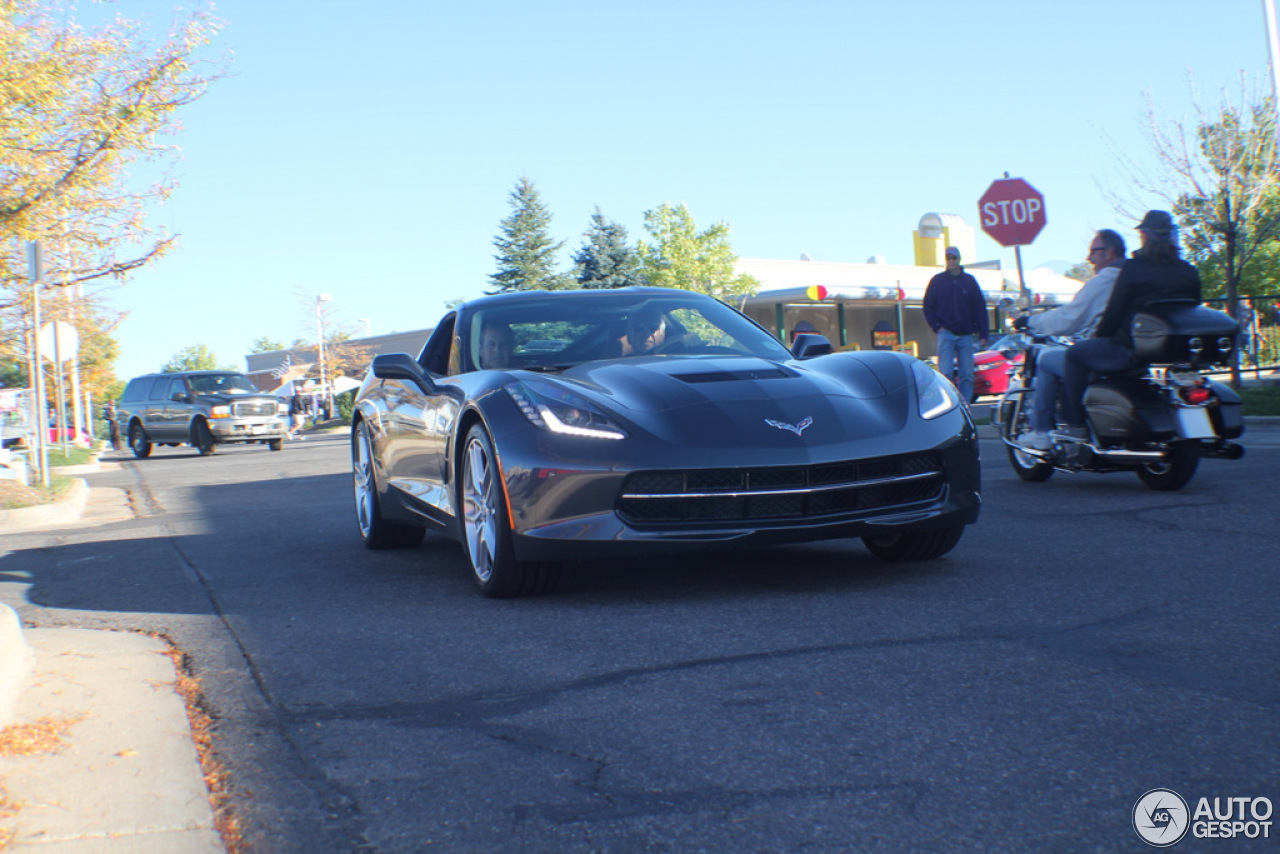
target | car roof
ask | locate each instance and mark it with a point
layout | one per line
(512, 298)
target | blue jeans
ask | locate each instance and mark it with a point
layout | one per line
(1094, 354)
(955, 354)
(1051, 366)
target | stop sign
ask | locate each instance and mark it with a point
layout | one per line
(1011, 212)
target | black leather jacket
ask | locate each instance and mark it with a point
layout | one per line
(1141, 282)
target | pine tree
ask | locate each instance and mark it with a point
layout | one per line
(526, 254)
(606, 259)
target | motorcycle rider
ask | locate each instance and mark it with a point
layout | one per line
(1076, 319)
(1155, 272)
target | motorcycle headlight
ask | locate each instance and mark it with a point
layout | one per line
(557, 410)
(935, 395)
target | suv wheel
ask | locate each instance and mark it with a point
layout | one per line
(202, 438)
(138, 442)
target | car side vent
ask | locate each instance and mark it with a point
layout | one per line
(734, 376)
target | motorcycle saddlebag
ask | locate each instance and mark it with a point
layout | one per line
(1128, 410)
(1166, 332)
(1228, 415)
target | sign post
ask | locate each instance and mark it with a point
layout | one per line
(39, 419)
(1012, 214)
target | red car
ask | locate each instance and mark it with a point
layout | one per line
(993, 366)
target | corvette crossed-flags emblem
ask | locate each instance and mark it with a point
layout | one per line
(794, 428)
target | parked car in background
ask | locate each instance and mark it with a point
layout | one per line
(202, 409)
(662, 420)
(993, 367)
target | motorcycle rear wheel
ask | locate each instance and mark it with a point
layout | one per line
(1174, 473)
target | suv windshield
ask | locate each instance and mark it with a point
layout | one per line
(221, 384)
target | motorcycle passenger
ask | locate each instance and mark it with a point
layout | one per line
(1155, 272)
(1076, 319)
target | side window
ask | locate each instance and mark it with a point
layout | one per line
(177, 385)
(136, 390)
(435, 356)
(158, 388)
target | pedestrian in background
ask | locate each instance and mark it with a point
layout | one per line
(297, 415)
(113, 424)
(956, 310)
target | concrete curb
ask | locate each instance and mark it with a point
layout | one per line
(15, 663)
(66, 509)
(127, 775)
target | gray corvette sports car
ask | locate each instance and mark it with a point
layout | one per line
(538, 427)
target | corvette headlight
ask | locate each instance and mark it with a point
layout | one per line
(557, 410)
(220, 411)
(934, 393)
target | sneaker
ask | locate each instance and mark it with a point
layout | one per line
(1073, 434)
(1036, 439)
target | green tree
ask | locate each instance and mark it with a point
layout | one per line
(265, 345)
(1081, 272)
(526, 253)
(197, 357)
(606, 259)
(683, 257)
(1220, 177)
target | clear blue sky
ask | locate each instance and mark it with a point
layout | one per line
(367, 150)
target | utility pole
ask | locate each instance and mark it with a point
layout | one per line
(1273, 53)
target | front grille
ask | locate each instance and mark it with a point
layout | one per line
(779, 493)
(253, 408)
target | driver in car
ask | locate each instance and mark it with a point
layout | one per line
(496, 345)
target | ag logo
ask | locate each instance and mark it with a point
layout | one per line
(1161, 817)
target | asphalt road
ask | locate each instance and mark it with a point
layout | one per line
(1087, 641)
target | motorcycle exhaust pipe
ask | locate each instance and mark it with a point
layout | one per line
(1226, 451)
(1126, 456)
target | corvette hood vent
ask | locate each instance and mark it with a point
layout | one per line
(728, 376)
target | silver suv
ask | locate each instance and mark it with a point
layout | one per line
(202, 409)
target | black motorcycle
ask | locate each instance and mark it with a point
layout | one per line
(1156, 420)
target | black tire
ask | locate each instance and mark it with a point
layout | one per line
(376, 531)
(138, 442)
(486, 534)
(1174, 473)
(1030, 468)
(275, 444)
(914, 545)
(202, 438)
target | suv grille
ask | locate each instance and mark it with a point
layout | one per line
(253, 408)
(779, 494)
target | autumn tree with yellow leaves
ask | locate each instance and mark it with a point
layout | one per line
(78, 111)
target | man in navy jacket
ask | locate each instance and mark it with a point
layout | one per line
(956, 310)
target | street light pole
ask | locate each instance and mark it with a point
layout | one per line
(321, 299)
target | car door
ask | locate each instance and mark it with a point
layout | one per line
(152, 410)
(178, 409)
(417, 426)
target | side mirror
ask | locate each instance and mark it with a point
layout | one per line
(181, 397)
(401, 366)
(810, 346)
